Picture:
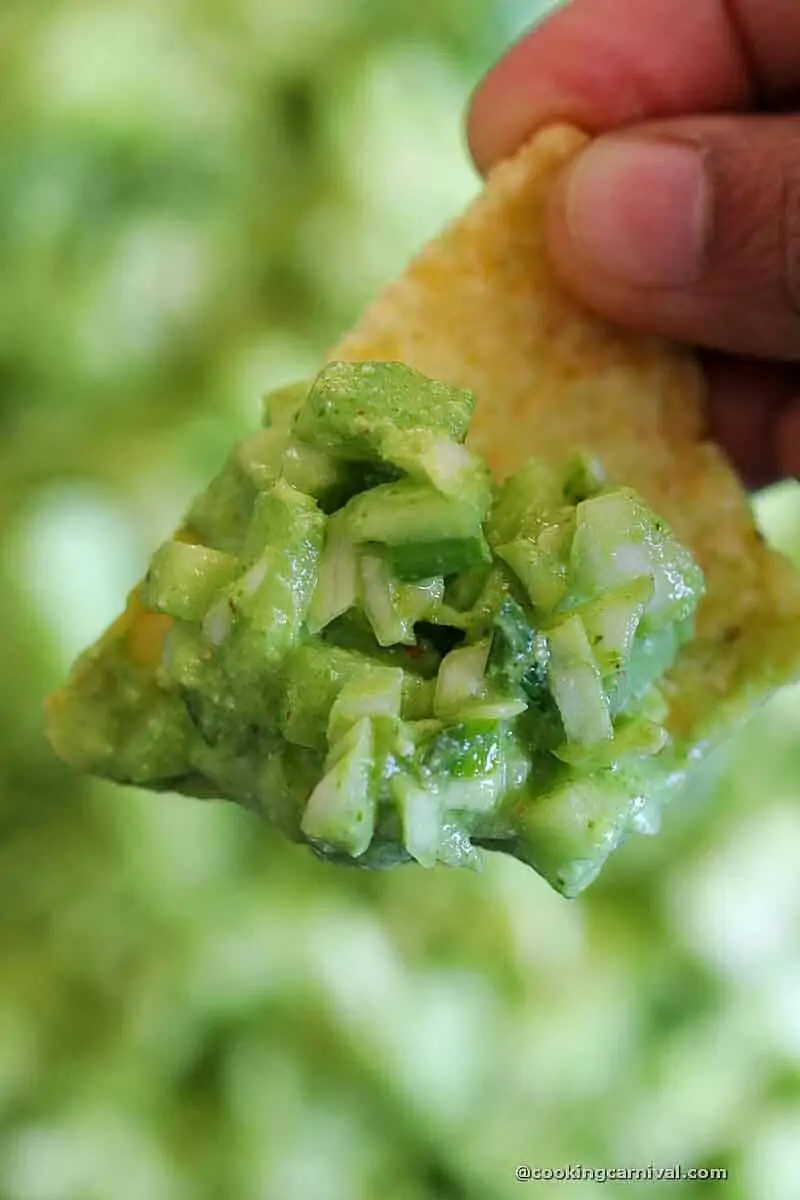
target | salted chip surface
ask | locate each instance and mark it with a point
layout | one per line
(481, 307)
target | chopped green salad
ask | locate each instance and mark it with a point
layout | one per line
(395, 659)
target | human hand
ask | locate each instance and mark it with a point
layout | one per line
(684, 218)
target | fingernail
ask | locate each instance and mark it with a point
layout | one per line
(637, 211)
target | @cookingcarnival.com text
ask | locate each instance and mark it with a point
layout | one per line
(577, 1171)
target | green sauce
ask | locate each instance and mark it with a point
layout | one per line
(392, 658)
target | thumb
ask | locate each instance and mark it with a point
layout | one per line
(689, 228)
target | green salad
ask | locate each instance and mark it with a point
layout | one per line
(393, 658)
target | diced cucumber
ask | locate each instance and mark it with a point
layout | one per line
(652, 654)
(420, 601)
(636, 738)
(421, 820)
(419, 560)
(568, 834)
(611, 622)
(352, 405)
(378, 599)
(461, 680)
(471, 765)
(618, 538)
(543, 576)
(337, 583)
(556, 533)
(449, 466)
(576, 684)
(526, 498)
(428, 534)
(183, 579)
(341, 810)
(376, 693)
(395, 747)
(472, 795)
(409, 511)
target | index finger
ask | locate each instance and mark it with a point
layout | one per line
(602, 64)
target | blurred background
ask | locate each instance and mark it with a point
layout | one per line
(196, 198)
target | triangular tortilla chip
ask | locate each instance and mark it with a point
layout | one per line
(480, 307)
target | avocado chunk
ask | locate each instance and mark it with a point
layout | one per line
(352, 407)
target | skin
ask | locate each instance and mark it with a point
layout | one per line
(683, 216)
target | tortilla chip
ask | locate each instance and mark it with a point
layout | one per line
(481, 308)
